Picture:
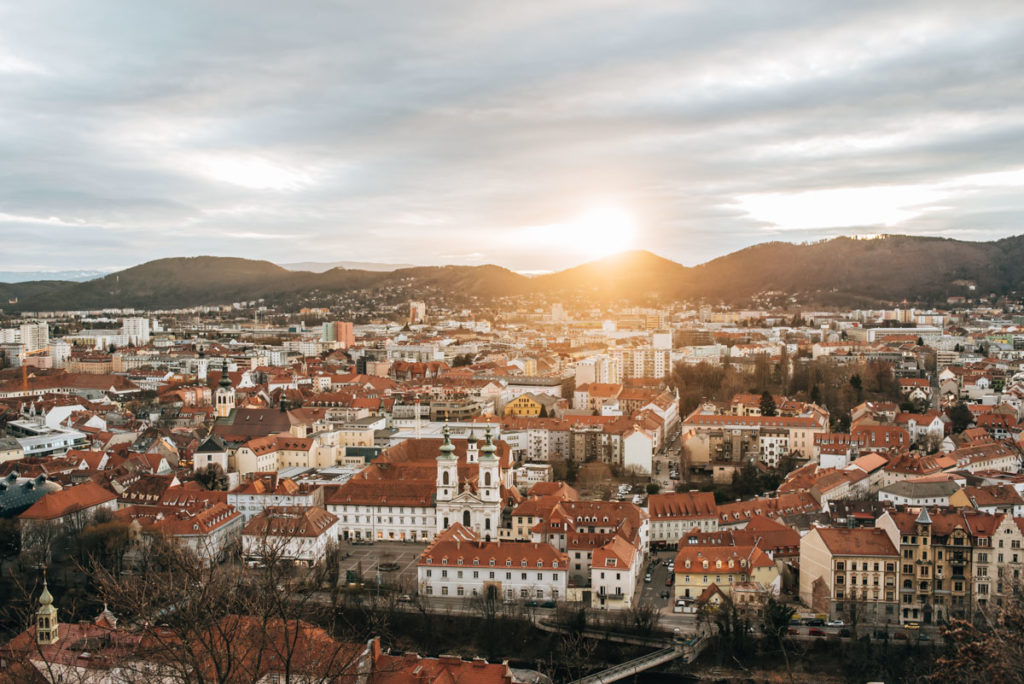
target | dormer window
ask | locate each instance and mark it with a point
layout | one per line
(444, 561)
(508, 562)
(522, 563)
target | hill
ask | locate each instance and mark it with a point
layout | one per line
(841, 271)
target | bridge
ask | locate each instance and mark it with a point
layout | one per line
(632, 667)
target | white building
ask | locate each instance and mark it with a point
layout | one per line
(293, 533)
(35, 336)
(135, 331)
(457, 563)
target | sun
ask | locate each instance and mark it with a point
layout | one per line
(598, 232)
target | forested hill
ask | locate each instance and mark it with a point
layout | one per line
(842, 271)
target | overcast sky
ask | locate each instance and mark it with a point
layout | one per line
(534, 135)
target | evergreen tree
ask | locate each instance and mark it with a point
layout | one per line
(768, 407)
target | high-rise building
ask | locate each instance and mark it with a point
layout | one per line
(417, 312)
(135, 331)
(338, 331)
(35, 336)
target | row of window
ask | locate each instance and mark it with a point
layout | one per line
(509, 593)
(491, 575)
(508, 562)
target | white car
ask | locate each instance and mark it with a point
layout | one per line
(834, 623)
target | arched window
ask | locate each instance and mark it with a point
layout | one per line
(446, 522)
(465, 518)
(444, 477)
(487, 479)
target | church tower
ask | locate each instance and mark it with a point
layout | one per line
(225, 394)
(472, 448)
(447, 470)
(489, 484)
(47, 629)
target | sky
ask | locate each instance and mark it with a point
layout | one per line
(536, 135)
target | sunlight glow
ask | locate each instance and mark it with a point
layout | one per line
(593, 234)
(255, 172)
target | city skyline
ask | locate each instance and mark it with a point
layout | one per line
(536, 138)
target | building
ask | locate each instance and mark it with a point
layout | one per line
(266, 490)
(458, 563)
(673, 515)
(296, 534)
(953, 561)
(403, 494)
(850, 573)
(699, 567)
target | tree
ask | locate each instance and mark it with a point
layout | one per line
(857, 384)
(776, 623)
(768, 407)
(213, 477)
(653, 488)
(961, 417)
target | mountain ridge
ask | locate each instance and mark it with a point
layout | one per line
(886, 269)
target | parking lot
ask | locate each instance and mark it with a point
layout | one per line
(365, 560)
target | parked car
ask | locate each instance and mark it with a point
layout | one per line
(792, 632)
(834, 623)
(665, 594)
(548, 604)
(668, 581)
(816, 632)
(647, 578)
(901, 636)
(923, 636)
(405, 598)
(912, 625)
(814, 622)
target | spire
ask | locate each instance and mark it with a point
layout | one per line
(47, 628)
(447, 448)
(472, 436)
(46, 598)
(923, 518)
(225, 381)
(488, 450)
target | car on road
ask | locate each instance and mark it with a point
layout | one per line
(900, 636)
(815, 632)
(834, 623)
(665, 594)
(668, 581)
(912, 625)
(647, 578)
(405, 598)
(814, 622)
(923, 636)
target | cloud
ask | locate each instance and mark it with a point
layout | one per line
(414, 133)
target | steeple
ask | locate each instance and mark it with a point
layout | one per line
(488, 450)
(447, 469)
(225, 381)
(472, 448)
(923, 518)
(447, 448)
(225, 395)
(47, 631)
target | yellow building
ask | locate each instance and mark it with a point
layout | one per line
(531, 405)
(698, 567)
